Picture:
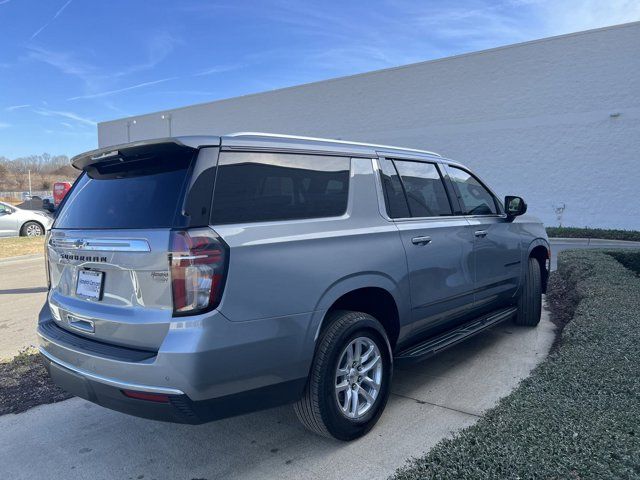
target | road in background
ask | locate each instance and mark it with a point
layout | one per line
(22, 293)
(560, 244)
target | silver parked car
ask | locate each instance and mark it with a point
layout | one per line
(18, 221)
(195, 278)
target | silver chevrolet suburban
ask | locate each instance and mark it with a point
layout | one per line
(195, 278)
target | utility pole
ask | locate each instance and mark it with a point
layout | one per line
(29, 171)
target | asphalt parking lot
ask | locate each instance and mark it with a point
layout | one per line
(76, 439)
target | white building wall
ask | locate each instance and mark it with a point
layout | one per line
(556, 121)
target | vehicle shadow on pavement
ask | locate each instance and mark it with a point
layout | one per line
(429, 401)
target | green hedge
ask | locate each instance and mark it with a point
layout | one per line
(607, 234)
(631, 260)
(578, 415)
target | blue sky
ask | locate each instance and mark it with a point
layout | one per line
(67, 64)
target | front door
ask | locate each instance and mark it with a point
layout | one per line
(438, 245)
(497, 251)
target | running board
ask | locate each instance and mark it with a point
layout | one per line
(449, 338)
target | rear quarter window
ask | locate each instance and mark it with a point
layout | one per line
(258, 187)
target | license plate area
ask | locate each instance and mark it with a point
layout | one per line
(90, 284)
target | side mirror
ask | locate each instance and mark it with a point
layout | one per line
(514, 206)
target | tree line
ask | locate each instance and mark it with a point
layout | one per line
(46, 169)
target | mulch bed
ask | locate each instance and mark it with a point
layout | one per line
(24, 384)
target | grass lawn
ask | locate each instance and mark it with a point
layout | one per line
(14, 246)
(578, 415)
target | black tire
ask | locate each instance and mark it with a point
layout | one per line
(530, 301)
(31, 227)
(318, 409)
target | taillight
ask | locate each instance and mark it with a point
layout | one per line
(198, 262)
(46, 259)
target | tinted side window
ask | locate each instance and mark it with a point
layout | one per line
(475, 199)
(258, 187)
(425, 190)
(393, 193)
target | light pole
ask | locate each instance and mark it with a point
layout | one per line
(167, 117)
(129, 123)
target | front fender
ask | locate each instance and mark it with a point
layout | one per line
(541, 242)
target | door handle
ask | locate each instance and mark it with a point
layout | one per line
(421, 240)
(481, 233)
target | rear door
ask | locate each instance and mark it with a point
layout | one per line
(437, 243)
(108, 250)
(497, 251)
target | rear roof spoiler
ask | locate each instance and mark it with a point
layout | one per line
(144, 148)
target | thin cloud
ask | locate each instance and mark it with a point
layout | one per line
(66, 63)
(214, 70)
(576, 15)
(69, 115)
(3, 124)
(120, 90)
(97, 78)
(57, 14)
(209, 71)
(11, 108)
(159, 46)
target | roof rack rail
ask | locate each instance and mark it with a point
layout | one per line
(331, 140)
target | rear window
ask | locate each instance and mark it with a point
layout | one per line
(257, 187)
(143, 193)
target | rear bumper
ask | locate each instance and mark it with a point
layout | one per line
(178, 407)
(210, 369)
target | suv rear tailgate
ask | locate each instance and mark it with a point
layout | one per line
(133, 307)
(108, 253)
